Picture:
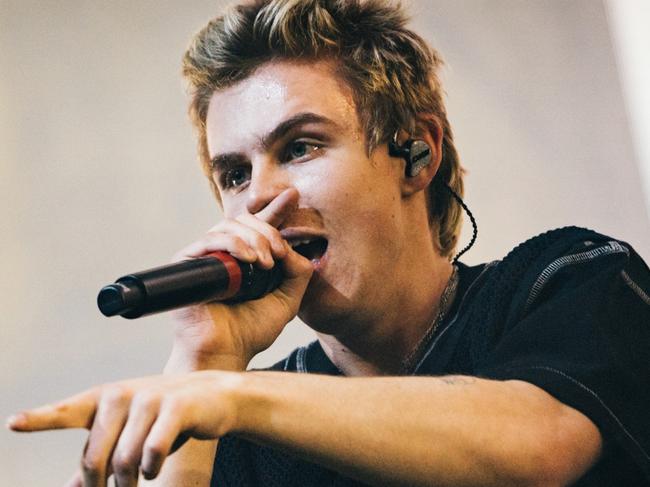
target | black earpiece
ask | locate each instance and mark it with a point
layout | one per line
(417, 155)
(415, 152)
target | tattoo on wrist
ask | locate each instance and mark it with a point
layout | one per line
(457, 380)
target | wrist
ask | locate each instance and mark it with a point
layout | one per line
(251, 401)
(182, 361)
(263, 402)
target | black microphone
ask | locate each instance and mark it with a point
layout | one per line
(217, 276)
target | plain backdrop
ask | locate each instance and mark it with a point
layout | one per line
(99, 175)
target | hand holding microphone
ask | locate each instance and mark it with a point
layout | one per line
(235, 289)
(215, 274)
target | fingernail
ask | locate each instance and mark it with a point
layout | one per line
(16, 421)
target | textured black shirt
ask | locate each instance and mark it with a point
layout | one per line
(568, 311)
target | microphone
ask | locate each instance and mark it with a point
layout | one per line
(217, 276)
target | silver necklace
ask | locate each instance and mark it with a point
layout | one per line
(447, 297)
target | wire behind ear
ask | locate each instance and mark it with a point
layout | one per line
(417, 155)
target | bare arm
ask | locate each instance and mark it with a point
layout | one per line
(458, 431)
(421, 430)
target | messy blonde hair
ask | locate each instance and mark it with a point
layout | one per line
(392, 73)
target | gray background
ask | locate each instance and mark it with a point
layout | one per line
(100, 177)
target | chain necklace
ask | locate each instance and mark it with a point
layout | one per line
(447, 297)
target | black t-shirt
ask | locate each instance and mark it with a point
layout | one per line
(568, 311)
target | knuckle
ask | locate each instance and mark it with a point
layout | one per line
(277, 240)
(91, 465)
(271, 233)
(124, 464)
(237, 242)
(259, 240)
(176, 403)
(115, 394)
(146, 399)
(154, 450)
(61, 407)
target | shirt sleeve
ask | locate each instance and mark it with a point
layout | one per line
(580, 330)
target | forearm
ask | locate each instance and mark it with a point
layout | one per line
(418, 430)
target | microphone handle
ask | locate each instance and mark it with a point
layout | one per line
(217, 276)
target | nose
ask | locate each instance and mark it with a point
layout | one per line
(268, 180)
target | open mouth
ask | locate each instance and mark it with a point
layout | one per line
(312, 249)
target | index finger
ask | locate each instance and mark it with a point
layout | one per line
(279, 208)
(77, 411)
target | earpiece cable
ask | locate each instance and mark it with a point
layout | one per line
(471, 217)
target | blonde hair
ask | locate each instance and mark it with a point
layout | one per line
(392, 73)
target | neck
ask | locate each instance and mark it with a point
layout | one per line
(394, 330)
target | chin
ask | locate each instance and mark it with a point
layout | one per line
(325, 309)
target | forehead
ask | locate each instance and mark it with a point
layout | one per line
(246, 111)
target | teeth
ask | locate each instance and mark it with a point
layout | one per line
(295, 243)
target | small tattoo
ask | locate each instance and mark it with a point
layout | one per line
(458, 380)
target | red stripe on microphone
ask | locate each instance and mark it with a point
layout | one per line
(234, 272)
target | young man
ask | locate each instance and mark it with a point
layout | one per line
(323, 132)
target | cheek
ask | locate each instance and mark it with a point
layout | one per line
(318, 186)
(336, 178)
(366, 195)
(233, 205)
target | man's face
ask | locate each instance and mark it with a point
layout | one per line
(296, 125)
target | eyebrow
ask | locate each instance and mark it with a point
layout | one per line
(266, 141)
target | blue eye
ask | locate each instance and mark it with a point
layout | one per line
(235, 177)
(299, 149)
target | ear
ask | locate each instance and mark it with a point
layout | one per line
(429, 130)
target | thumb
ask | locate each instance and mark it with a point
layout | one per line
(298, 271)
